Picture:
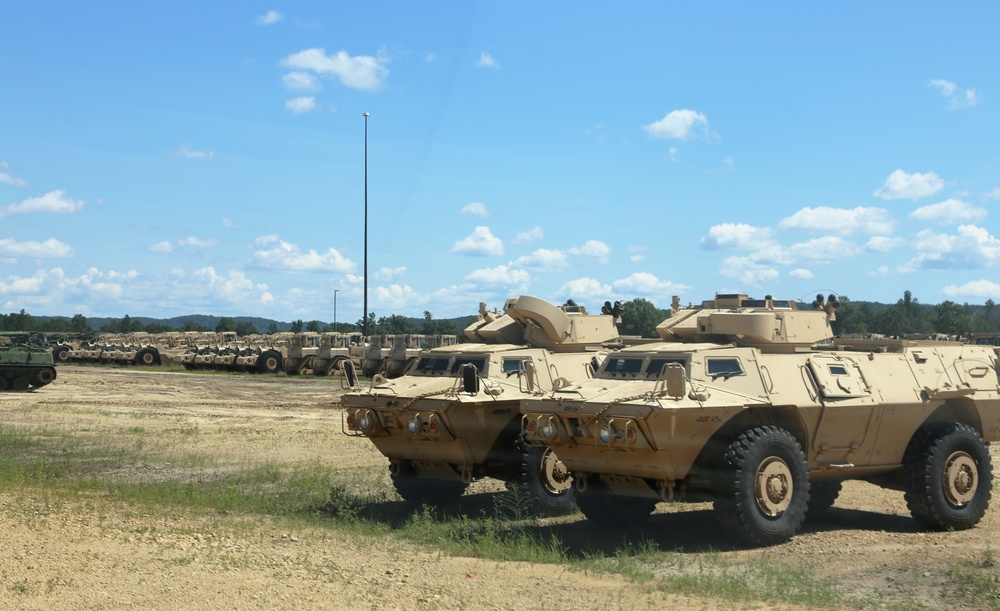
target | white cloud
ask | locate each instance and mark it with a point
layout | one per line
(197, 242)
(7, 179)
(679, 125)
(544, 260)
(275, 253)
(360, 72)
(163, 246)
(747, 272)
(499, 276)
(735, 236)
(187, 152)
(230, 224)
(638, 255)
(948, 212)
(594, 249)
(270, 18)
(801, 274)
(586, 289)
(878, 243)
(395, 297)
(841, 221)
(971, 248)
(388, 274)
(301, 81)
(955, 97)
(475, 209)
(301, 105)
(49, 249)
(530, 236)
(480, 243)
(994, 194)
(234, 287)
(644, 284)
(976, 288)
(900, 185)
(54, 202)
(486, 61)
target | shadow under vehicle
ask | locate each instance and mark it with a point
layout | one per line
(752, 405)
(453, 417)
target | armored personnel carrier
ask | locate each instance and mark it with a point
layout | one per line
(749, 404)
(453, 417)
(24, 365)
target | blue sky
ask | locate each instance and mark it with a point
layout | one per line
(160, 159)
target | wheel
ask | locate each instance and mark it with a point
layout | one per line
(269, 362)
(21, 383)
(822, 496)
(45, 376)
(763, 486)
(605, 509)
(147, 357)
(3, 382)
(948, 477)
(59, 353)
(422, 491)
(548, 481)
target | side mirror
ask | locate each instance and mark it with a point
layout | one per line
(676, 383)
(350, 374)
(470, 379)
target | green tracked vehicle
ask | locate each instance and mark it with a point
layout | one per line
(23, 364)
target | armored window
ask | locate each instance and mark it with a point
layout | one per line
(724, 367)
(656, 366)
(478, 361)
(514, 365)
(621, 365)
(433, 364)
(838, 370)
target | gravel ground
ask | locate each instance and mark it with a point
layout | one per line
(89, 551)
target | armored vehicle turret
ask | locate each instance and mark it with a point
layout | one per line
(23, 364)
(453, 417)
(753, 405)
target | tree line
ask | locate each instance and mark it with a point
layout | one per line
(906, 316)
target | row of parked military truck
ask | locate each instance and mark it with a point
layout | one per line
(305, 353)
(749, 404)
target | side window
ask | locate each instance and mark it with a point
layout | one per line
(656, 366)
(513, 366)
(619, 365)
(723, 366)
(478, 361)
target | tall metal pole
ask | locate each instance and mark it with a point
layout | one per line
(365, 325)
(335, 291)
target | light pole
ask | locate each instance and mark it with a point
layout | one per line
(335, 291)
(365, 319)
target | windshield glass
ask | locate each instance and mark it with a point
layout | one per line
(433, 364)
(478, 361)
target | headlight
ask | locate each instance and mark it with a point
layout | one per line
(548, 430)
(367, 421)
(605, 433)
(415, 424)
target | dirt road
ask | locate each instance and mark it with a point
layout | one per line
(89, 550)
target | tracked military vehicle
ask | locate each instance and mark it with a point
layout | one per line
(24, 365)
(749, 404)
(453, 417)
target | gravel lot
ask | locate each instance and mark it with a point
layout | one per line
(89, 551)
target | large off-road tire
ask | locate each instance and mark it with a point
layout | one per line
(269, 362)
(947, 477)
(422, 491)
(548, 481)
(611, 510)
(147, 357)
(59, 353)
(763, 486)
(822, 496)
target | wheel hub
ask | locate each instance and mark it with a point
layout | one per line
(960, 479)
(555, 475)
(773, 487)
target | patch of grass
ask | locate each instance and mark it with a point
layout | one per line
(977, 581)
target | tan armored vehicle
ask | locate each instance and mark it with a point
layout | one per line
(453, 418)
(743, 405)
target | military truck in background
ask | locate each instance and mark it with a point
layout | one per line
(453, 417)
(752, 405)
